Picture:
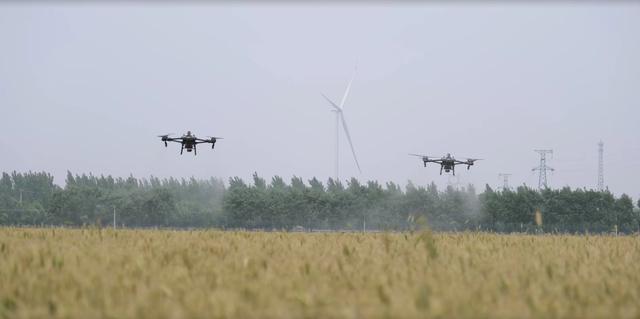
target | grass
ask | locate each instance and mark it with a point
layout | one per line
(89, 273)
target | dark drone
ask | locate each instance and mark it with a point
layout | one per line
(448, 162)
(188, 141)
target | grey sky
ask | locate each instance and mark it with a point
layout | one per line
(87, 88)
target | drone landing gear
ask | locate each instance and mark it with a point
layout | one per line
(181, 149)
(195, 152)
(440, 169)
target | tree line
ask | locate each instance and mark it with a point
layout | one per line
(34, 199)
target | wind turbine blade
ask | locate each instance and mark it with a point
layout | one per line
(346, 92)
(331, 102)
(346, 131)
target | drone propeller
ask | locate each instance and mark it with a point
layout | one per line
(424, 156)
(164, 138)
(470, 161)
(213, 139)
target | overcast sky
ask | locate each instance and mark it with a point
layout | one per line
(87, 88)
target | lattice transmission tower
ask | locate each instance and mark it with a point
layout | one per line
(601, 167)
(543, 168)
(505, 181)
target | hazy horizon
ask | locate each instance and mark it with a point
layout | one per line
(87, 88)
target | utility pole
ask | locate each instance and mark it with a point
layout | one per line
(505, 180)
(364, 223)
(20, 197)
(114, 217)
(601, 166)
(543, 168)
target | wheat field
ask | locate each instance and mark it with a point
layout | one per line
(99, 273)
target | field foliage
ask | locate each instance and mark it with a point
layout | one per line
(89, 273)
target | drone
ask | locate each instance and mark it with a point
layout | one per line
(448, 162)
(188, 141)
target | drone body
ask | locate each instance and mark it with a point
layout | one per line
(447, 163)
(188, 141)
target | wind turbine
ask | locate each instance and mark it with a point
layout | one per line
(338, 109)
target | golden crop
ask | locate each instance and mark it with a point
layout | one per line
(90, 273)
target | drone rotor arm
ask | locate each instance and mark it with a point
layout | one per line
(166, 138)
(176, 140)
(428, 159)
(211, 139)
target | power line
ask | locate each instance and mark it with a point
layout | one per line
(543, 168)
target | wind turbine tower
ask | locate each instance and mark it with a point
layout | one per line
(338, 110)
